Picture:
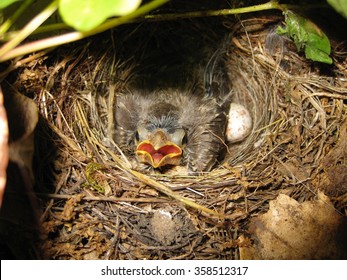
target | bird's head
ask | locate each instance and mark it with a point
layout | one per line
(159, 147)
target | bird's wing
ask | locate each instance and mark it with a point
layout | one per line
(127, 112)
(205, 121)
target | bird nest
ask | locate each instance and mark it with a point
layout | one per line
(96, 206)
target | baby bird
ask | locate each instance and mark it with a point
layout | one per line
(171, 127)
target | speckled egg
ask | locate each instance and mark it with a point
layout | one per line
(239, 123)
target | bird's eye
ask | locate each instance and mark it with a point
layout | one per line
(179, 137)
(141, 133)
(184, 140)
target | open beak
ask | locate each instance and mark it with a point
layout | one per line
(158, 151)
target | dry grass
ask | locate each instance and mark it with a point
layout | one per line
(100, 208)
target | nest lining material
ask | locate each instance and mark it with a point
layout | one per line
(102, 209)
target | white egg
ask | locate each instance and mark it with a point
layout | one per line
(239, 123)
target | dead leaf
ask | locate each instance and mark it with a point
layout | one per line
(19, 210)
(22, 120)
(293, 230)
(339, 152)
(69, 208)
(333, 178)
(294, 169)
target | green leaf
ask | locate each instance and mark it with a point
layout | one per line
(317, 55)
(308, 37)
(340, 6)
(6, 3)
(85, 15)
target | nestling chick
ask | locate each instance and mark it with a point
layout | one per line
(171, 127)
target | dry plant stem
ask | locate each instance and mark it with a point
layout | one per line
(294, 149)
(159, 186)
(8, 51)
(19, 63)
(108, 199)
(68, 141)
(29, 28)
(162, 188)
(141, 177)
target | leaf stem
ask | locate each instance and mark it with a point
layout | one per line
(58, 27)
(271, 5)
(8, 23)
(9, 53)
(29, 28)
